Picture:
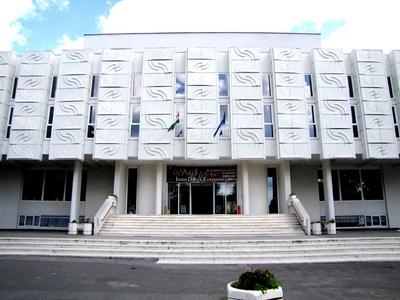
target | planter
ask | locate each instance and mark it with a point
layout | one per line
(87, 228)
(331, 228)
(316, 228)
(72, 228)
(238, 294)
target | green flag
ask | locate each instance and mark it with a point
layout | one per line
(173, 125)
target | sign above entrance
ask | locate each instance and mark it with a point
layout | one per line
(201, 174)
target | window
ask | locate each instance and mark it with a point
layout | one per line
(14, 90)
(395, 122)
(9, 121)
(354, 121)
(224, 114)
(389, 81)
(266, 84)
(49, 122)
(95, 86)
(223, 84)
(180, 79)
(180, 127)
(135, 121)
(137, 85)
(50, 185)
(354, 184)
(91, 122)
(309, 86)
(350, 84)
(312, 124)
(268, 124)
(53, 87)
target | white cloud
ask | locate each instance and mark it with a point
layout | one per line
(367, 24)
(67, 43)
(46, 4)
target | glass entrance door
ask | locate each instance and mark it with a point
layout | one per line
(202, 198)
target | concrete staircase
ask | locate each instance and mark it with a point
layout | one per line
(211, 251)
(202, 225)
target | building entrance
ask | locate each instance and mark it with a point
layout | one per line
(202, 198)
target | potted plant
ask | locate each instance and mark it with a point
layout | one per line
(330, 226)
(255, 284)
(316, 227)
(73, 227)
(87, 227)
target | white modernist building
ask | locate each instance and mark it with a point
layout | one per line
(200, 123)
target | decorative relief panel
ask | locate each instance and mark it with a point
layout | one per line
(156, 113)
(333, 104)
(377, 132)
(30, 111)
(394, 61)
(111, 138)
(290, 106)
(7, 69)
(246, 103)
(71, 104)
(202, 106)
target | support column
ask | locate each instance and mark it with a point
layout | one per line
(76, 191)
(120, 181)
(245, 186)
(328, 194)
(159, 173)
(285, 185)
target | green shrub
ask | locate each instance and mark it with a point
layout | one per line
(258, 279)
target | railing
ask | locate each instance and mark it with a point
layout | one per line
(103, 212)
(301, 213)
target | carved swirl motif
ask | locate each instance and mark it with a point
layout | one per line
(109, 151)
(245, 79)
(66, 137)
(334, 107)
(201, 120)
(375, 94)
(289, 80)
(381, 150)
(370, 68)
(113, 94)
(200, 93)
(328, 55)
(246, 107)
(157, 66)
(157, 93)
(24, 137)
(292, 136)
(2, 59)
(288, 53)
(70, 108)
(248, 136)
(201, 150)
(245, 53)
(331, 80)
(111, 122)
(378, 122)
(201, 66)
(291, 107)
(22, 153)
(156, 121)
(155, 151)
(115, 67)
(35, 56)
(337, 136)
(76, 56)
(72, 82)
(29, 109)
(31, 82)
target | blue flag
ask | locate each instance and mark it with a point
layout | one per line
(222, 123)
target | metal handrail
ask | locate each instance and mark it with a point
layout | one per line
(301, 213)
(101, 216)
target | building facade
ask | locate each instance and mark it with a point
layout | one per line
(200, 123)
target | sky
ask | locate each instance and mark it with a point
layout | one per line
(60, 24)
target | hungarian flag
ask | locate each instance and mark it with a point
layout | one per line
(221, 124)
(173, 125)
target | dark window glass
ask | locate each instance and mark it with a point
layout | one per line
(309, 86)
(49, 122)
(180, 84)
(389, 81)
(68, 188)
(137, 85)
(269, 131)
(220, 198)
(36, 221)
(320, 186)
(29, 221)
(33, 184)
(10, 116)
(368, 220)
(396, 125)
(335, 185)
(54, 185)
(53, 87)
(95, 86)
(350, 184)
(266, 84)
(14, 90)
(372, 184)
(223, 85)
(21, 221)
(350, 83)
(267, 114)
(383, 221)
(83, 185)
(376, 221)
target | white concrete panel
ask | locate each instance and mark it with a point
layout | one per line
(114, 136)
(248, 121)
(70, 122)
(76, 56)
(374, 94)
(290, 150)
(72, 94)
(373, 81)
(75, 68)
(245, 66)
(332, 81)
(112, 108)
(380, 135)
(156, 136)
(289, 93)
(202, 151)
(376, 108)
(66, 151)
(156, 80)
(247, 107)
(33, 83)
(110, 151)
(335, 121)
(30, 109)
(158, 93)
(370, 68)
(155, 151)
(10, 186)
(70, 108)
(201, 107)
(36, 57)
(248, 136)
(328, 93)
(146, 189)
(201, 53)
(201, 66)
(116, 67)
(330, 67)
(31, 152)
(156, 107)
(201, 93)
(202, 121)
(288, 67)
(114, 94)
(292, 121)
(289, 80)
(115, 80)
(378, 122)
(328, 55)
(68, 137)
(246, 93)
(7, 57)
(25, 137)
(369, 55)
(244, 53)
(290, 107)
(4, 83)
(286, 54)
(112, 122)
(246, 79)
(73, 81)
(202, 79)
(293, 136)
(382, 151)
(158, 66)
(200, 136)
(28, 123)
(338, 150)
(117, 54)
(159, 54)
(248, 151)
(334, 108)
(156, 121)
(7, 71)
(392, 184)
(258, 189)
(35, 69)
(340, 136)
